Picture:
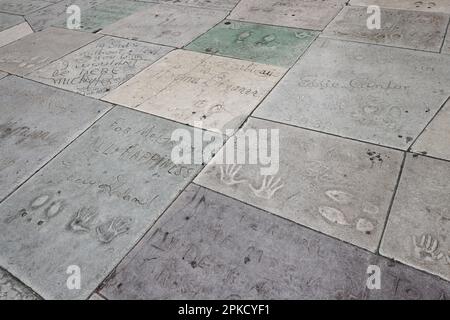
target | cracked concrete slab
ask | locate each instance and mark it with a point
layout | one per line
(88, 207)
(101, 66)
(36, 123)
(377, 94)
(419, 223)
(208, 246)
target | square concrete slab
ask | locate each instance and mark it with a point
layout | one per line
(379, 94)
(425, 5)
(12, 28)
(211, 4)
(208, 246)
(306, 14)
(13, 289)
(279, 46)
(37, 122)
(88, 207)
(168, 25)
(399, 28)
(101, 66)
(57, 13)
(22, 7)
(95, 18)
(419, 224)
(340, 187)
(433, 141)
(191, 87)
(39, 49)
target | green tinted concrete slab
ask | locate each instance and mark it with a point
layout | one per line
(256, 42)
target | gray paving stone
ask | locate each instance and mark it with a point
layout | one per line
(434, 140)
(308, 14)
(419, 223)
(92, 203)
(425, 5)
(367, 92)
(22, 7)
(36, 123)
(39, 49)
(169, 25)
(399, 28)
(211, 4)
(208, 246)
(191, 87)
(14, 33)
(9, 20)
(101, 66)
(339, 187)
(13, 289)
(57, 13)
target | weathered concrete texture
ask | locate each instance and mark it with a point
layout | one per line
(446, 46)
(3, 74)
(9, 20)
(169, 25)
(96, 18)
(260, 43)
(22, 7)
(339, 187)
(96, 296)
(12, 28)
(39, 49)
(373, 93)
(435, 141)
(208, 246)
(56, 14)
(192, 87)
(36, 123)
(308, 14)
(101, 66)
(419, 223)
(211, 4)
(398, 28)
(92, 203)
(13, 289)
(425, 5)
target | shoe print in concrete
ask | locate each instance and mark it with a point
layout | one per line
(279, 46)
(169, 25)
(339, 187)
(307, 14)
(13, 289)
(91, 204)
(39, 49)
(378, 94)
(210, 4)
(419, 223)
(208, 246)
(37, 122)
(22, 7)
(425, 5)
(193, 88)
(398, 28)
(101, 66)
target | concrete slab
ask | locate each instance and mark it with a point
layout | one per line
(14, 33)
(91, 204)
(305, 14)
(9, 20)
(39, 49)
(3, 74)
(429, 6)
(366, 92)
(13, 289)
(103, 14)
(340, 187)
(399, 28)
(208, 246)
(168, 25)
(211, 4)
(37, 123)
(255, 42)
(419, 223)
(433, 141)
(101, 66)
(96, 296)
(57, 13)
(191, 87)
(446, 46)
(22, 7)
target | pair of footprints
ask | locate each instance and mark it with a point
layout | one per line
(427, 248)
(51, 210)
(267, 189)
(84, 221)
